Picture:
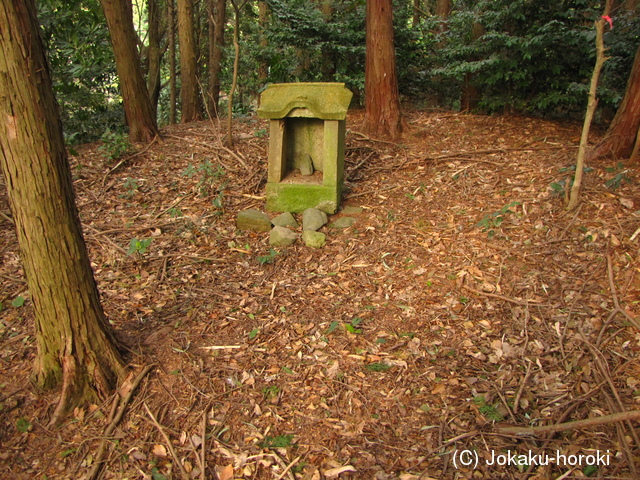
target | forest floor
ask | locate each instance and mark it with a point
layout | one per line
(465, 299)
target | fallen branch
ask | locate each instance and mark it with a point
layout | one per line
(126, 159)
(578, 424)
(517, 301)
(97, 462)
(217, 147)
(614, 296)
(174, 205)
(286, 470)
(6, 217)
(365, 137)
(185, 475)
(492, 151)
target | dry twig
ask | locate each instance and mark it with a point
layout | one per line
(176, 459)
(578, 424)
(126, 159)
(97, 462)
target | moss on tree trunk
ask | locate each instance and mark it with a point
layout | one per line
(75, 345)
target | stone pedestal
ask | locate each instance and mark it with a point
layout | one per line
(306, 144)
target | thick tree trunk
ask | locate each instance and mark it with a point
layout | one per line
(188, 67)
(137, 106)
(217, 18)
(620, 139)
(76, 348)
(382, 104)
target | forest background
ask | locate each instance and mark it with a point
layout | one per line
(499, 56)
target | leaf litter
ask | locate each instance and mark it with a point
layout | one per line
(464, 299)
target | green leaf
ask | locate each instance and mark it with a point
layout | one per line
(254, 333)
(18, 301)
(288, 371)
(68, 452)
(156, 475)
(557, 187)
(133, 246)
(268, 258)
(23, 425)
(590, 470)
(333, 326)
(281, 441)
(378, 367)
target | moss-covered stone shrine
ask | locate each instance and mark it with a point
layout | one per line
(306, 145)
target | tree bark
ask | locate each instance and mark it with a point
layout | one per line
(137, 106)
(75, 345)
(443, 8)
(620, 139)
(236, 62)
(328, 62)
(188, 66)
(591, 108)
(154, 52)
(171, 13)
(217, 20)
(470, 95)
(382, 103)
(263, 67)
(417, 13)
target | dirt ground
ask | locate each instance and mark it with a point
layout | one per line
(464, 300)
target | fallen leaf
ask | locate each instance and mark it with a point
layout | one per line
(334, 472)
(627, 203)
(159, 451)
(439, 388)
(224, 473)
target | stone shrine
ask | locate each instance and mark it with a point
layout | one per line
(306, 145)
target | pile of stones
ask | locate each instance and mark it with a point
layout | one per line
(283, 229)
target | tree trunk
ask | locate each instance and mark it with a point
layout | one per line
(137, 106)
(236, 62)
(470, 95)
(217, 18)
(75, 345)
(188, 66)
(171, 11)
(154, 53)
(620, 139)
(443, 8)
(591, 107)
(263, 67)
(328, 63)
(417, 13)
(382, 104)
